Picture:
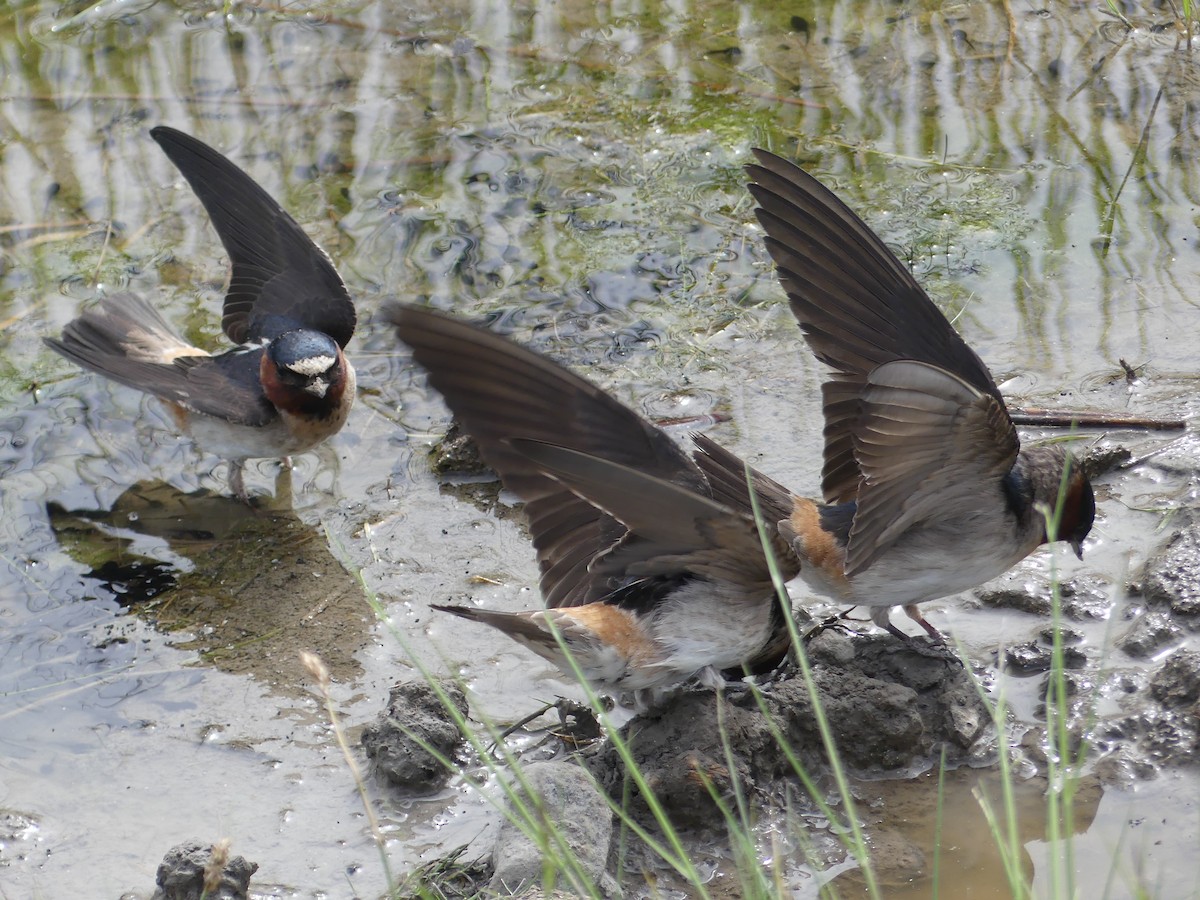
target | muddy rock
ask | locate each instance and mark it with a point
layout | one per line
(889, 704)
(679, 750)
(1172, 576)
(889, 707)
(457, 454)
(1177, 683)
(1103, 458)
(565, 794)
(1166, 736)
(875, 723)
(1069, 636)
(1086, 597)
(1150, 632)
(1162, 727)
(1035, 656)
(1082, 598)
(1016, 591)
(402, 741)
(193, 870)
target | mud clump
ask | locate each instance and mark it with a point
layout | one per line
(1081, 599)
(890, 707)
(194, 870)
(1177, 683)
(1151, 631)
(457, 454)
(567, 798)
(407, 738)
(1172, 577)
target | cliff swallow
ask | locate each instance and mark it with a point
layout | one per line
(287, 386)
(652, 567)
(926, 488)
(648, 580)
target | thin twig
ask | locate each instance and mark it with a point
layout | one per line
(1067, 418)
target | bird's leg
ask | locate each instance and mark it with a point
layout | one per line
(915, 614)
(283, 485)
(236, 482)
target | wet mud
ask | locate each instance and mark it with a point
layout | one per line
(195, 871)
(574, 177)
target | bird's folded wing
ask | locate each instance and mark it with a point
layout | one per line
(926, 440)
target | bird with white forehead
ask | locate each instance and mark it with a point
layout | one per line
(287, 386)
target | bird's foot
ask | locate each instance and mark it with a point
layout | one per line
(933, 647)
(838, 621)
(578, 725)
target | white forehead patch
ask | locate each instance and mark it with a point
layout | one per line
(312, 366)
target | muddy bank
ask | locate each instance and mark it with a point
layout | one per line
(896, 713)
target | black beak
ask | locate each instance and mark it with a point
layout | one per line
(1077, 546)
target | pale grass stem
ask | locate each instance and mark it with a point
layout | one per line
(320, 674)
(856, 845)
(215, 867)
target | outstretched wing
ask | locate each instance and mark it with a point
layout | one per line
(858, 306)
(280, 278)
(501, 392)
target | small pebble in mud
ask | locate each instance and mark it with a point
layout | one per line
(414, 720)
(193, 870)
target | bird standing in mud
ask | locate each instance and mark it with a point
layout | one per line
(648, 580)
(651, 563)
(287, 386)
(926, 489)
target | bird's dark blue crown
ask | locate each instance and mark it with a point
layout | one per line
(293, 347)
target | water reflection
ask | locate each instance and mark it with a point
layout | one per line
(250, 587)
(954, 849)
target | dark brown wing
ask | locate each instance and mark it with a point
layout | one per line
(126, 339)
(500, 392)
(672, 530)
(726, 474)
(927, 440)
(280, 277)
(858, 305)
(228, 387)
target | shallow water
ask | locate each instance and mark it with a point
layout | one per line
(573, 172)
